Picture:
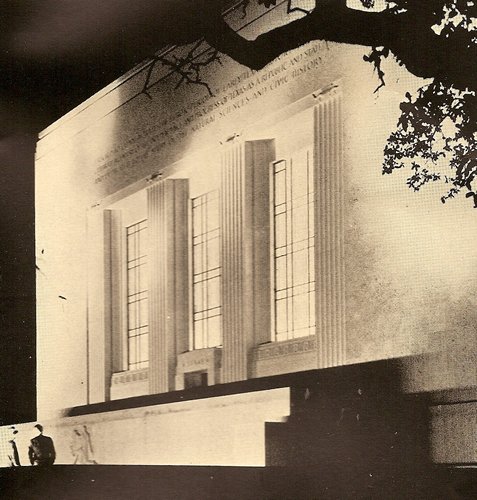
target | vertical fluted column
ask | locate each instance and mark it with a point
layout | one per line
(114, 292)
(245, 253)
(329, 230)
(167, 206)
(99, 306)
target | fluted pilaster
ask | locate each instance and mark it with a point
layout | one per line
(245, 253)
(99, 366)
(167, 206)
(329, 233)
(114, 291)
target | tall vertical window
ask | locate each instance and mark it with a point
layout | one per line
(294, 242)
(137, 301)
(206, 272)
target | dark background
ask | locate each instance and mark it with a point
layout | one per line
(54, 54)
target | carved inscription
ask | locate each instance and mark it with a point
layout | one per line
(202, 112)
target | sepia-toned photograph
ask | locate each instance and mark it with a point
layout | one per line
(238, 249)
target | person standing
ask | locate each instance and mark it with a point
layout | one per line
(41, 450)
(13, 456)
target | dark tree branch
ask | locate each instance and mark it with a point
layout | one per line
(330, 21)
(409, 37)
(150, 69)
(449, 59)
(291, 9)
(187, 67)
(375, 58)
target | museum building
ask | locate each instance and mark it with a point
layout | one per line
(196, 235)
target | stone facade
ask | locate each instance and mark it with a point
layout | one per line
(384, 286)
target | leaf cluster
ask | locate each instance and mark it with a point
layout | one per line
(436, 138)
(436, 134)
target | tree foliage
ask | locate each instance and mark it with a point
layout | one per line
(436, 139)
(436, 135)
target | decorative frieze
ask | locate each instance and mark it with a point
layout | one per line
(285, 348)
(130, 376)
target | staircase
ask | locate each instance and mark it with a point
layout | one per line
(356, 421)
(351, 433)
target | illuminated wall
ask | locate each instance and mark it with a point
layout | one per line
(226, 430)
(396, 267)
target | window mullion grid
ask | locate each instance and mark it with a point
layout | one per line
(205, 301)
(308, 222)
(294, 261)
(135, 264)
(289, 248)
(194, 264)
(275, 252)
(137, 283)
(312, 238)
(202, 275)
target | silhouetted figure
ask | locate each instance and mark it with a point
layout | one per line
(82, 447)
(42, 449)
(13, 456)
